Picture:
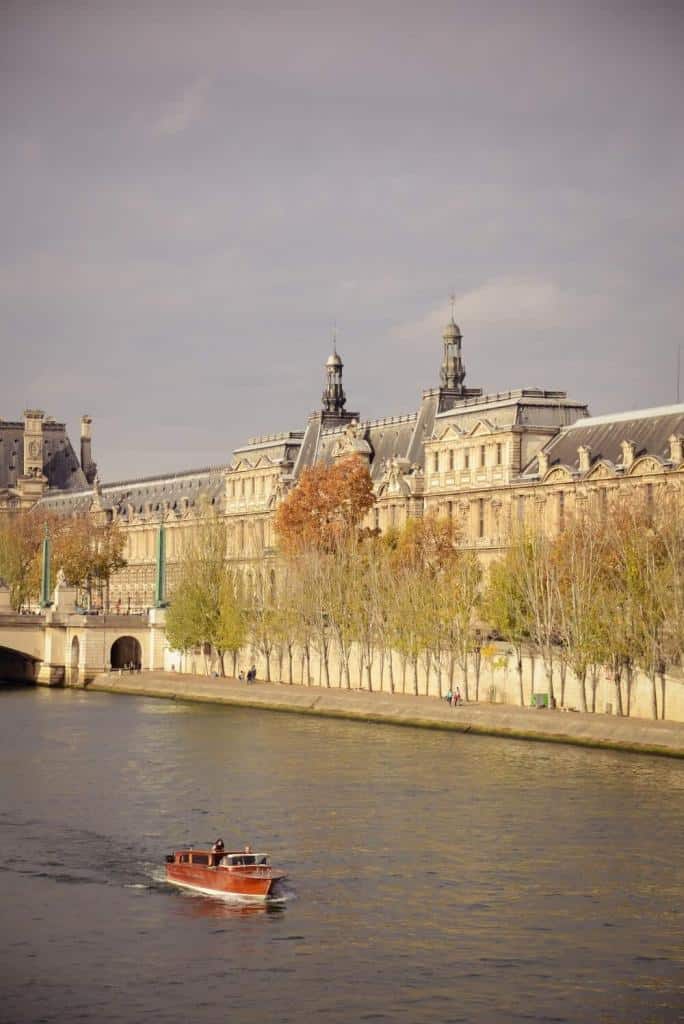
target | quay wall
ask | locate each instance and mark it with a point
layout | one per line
(498, 679)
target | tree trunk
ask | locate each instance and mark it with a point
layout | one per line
(307, 659)
(478, 668)
(519, 667)
(235, 657)
(594, 687)
(629, 684)
(404, 661)
(326, 668)
(267, 655)
(369, 673)
(654, 694)
(345, 671)
(390, 660)
(428, 666)
(563, 674)
(438, 662)
(582, 682)
(289, 664)
(617, 681)
(548, 667)
(662, 694)
(466, 691)
(415, 675)
(221, 664)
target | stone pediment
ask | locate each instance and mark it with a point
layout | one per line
(482, 428)
(449, 433)
(558, 474)
(352, 442)
(646, 465)
(600, 471)
(394, 482)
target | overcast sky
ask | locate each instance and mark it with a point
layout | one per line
(193, 194)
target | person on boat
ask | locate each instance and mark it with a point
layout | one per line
(249, 856)
(218, 849)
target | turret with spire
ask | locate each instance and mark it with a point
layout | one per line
(452, 389)
(334, 397)
(453, 370)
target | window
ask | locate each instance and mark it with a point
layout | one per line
(521, 508)
(483, 455)
(499, 454)
(200, 858)
(466, 459)
(451, 458)
(649, 497)
(435, 465)
(561, 511)
(184, 858)
(450, 510)
(480, 517)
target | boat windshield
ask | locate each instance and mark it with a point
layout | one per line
(242, 859)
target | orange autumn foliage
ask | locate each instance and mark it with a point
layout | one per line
(326, 506)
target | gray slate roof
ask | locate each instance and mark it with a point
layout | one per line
(649, 429)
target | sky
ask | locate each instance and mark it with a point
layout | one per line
(195, 194)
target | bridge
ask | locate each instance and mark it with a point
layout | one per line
(68, 648)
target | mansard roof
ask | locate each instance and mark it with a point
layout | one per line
(526, 407)
(648, 429)
(60, 463)
(172, 491)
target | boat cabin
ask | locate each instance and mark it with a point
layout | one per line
(227, 860)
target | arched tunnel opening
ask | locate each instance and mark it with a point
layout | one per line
(16, 667)
(126, 652)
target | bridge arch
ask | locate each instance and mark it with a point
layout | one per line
(17, 667)
(126, 651)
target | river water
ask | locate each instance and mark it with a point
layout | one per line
(433, 877)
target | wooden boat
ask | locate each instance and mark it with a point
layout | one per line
(219, 873)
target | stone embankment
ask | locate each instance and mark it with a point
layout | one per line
(602, 731)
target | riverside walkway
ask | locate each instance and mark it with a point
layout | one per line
(603, 731)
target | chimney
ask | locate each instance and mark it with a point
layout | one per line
(543, 463)
(628, 453)
(584, 453)
(676, 443)
(87, 465)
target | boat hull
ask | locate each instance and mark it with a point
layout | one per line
(253, 883)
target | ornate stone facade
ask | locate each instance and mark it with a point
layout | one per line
(486, 460)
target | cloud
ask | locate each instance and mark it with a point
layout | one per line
(184, 111)
(519, 302)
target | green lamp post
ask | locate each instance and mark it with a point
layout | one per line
(160, 580)
(45, 594)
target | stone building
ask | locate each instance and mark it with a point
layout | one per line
(36, 456)
(485, 460)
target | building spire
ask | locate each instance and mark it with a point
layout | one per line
(452, 373)
(334, 398)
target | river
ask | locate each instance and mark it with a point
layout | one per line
(433, 877)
